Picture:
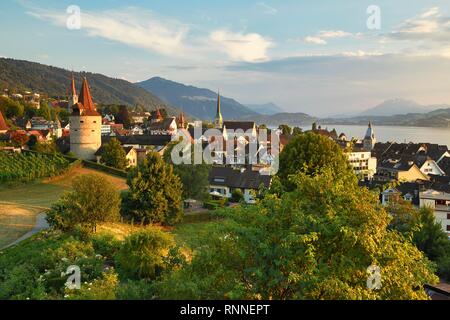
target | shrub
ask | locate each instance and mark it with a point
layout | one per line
(237, 196)
(142, 254)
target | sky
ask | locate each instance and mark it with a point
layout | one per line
(323, 57)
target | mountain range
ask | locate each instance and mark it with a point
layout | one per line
(400, 106)
(19, 75)
(198, 102)
(267, 109)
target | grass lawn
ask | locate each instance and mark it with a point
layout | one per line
(15, 221)
(21, 203)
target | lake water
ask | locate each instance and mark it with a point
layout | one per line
(395, 134)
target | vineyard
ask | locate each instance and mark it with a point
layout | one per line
(28, 166)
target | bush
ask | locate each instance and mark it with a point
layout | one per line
(136, 290)
(142, 256)
(210, 205)
(107, 246)
(103, 288)
(444, 268)
(237, 196)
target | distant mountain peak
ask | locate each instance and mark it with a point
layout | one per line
(396, 106)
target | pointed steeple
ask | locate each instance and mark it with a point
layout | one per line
(74, 90)
(181, 121)
(218, 121)
(72, 95)
(85, 96)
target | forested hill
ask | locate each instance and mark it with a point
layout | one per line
(22, 75)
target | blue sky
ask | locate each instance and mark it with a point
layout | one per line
(311, 56)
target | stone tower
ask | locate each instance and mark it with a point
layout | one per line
(218, 120)
(369, 140)
(73, 96)
(85, 126)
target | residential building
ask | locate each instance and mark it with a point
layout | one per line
(130, 152)
(439, 201)
(224, 180)
(403, 171)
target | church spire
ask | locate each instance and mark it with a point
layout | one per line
(73, 96)
(85, 96)
(218, 121)
(74, 91)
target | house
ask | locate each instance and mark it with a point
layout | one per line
(403, 171)
(131, 155)
(166, 126)
(142, 143)
(232, 129)
(363, 163)
(439, 201)
(224, 180)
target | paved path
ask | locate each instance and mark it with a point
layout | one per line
(41, 224)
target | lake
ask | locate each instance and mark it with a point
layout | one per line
(395, 134)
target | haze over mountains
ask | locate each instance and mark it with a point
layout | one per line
(400, 106)
(266, 109)
(201, 103)
(198, 102)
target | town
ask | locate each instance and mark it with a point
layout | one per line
(198, 155)
(422, 170)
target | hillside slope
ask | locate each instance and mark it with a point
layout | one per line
(24, 75)
(201, 103)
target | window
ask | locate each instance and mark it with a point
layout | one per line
(448, 216)
(448, 227)
(81, 121)
(95, 121)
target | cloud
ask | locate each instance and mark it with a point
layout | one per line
(429, 26)
(315, 40)
(266, 9)
(322, 36)
(249, 47)
(131, 26)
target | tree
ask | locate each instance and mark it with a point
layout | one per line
(422, 229)
(296, 131)
(285, 129)
(123, 117)
(143, 253)
(194, 177)
(316, 242)
(114, 155)
(311, 153)
(155, 194)
(93, 200)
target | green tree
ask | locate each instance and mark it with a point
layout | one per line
(143, 253)
(422, 229)
(311, 152)
(114, 155)
(155, 194)
(285, 129)
(93, 200)
(297, 131)
(195, 178)
(316, 242)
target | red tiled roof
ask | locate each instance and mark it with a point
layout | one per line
(85, 103)
(3, 125)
